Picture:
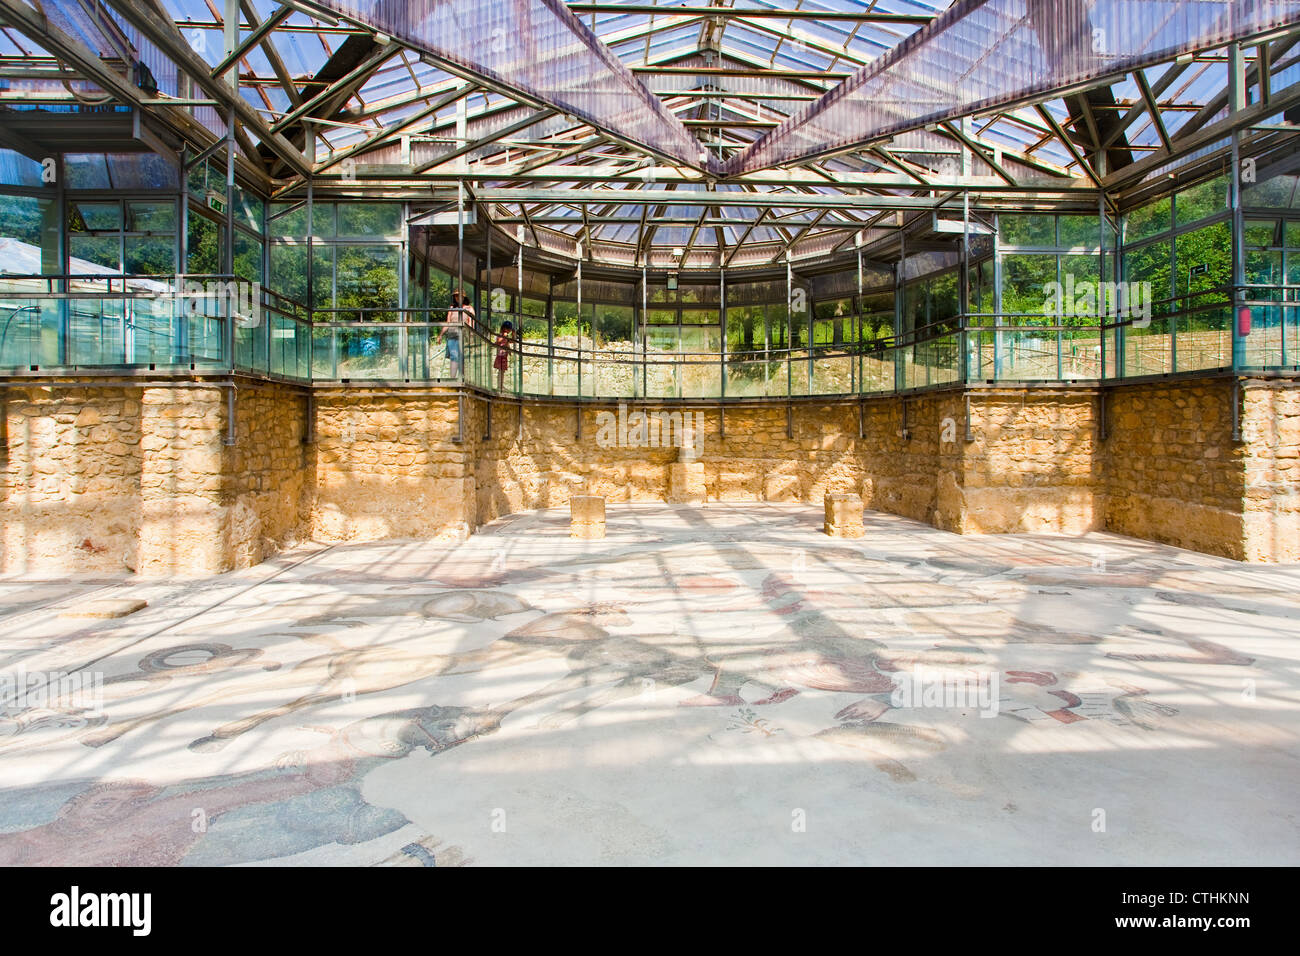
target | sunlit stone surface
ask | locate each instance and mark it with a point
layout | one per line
(708, 684)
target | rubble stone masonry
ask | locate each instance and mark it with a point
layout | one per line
(125, 478)
(121, 477)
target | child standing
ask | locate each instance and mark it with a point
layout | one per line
(503, 354)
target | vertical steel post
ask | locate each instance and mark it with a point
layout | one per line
(645, 294)
(1237, 102)
(855, 366)
(579, 297)
(180, 319)
(519, 318)
(963, 294)
(464, 331)
(1101, 275)
(997, 297)
(722, 324)
(900, 289)
(231, 41)
(789, 324)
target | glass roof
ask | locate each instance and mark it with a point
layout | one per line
(741, 133)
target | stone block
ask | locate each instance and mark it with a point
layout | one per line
(587, 509)
(737, 486)
(686, 483)
(587, 516)
(780, 487)
(105, 608)
(843, 515)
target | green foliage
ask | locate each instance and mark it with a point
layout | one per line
(1208, 253)
(1204, 258)
(1198, 202)
(931, 305)
(203, 245)
(247, 257)
(26, 219)
(288, 272)
(1148, 220)
(1036, 230)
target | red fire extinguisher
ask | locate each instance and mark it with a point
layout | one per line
(1243, 321)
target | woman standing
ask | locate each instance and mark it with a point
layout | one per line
(458, 315)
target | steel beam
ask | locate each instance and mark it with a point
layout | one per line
(751, 13)
(165, 36)
(253, 39)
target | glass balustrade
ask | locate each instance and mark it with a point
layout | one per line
(192, 324)
(118, 327)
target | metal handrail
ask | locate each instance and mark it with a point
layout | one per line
(935, 358)
(12, 315)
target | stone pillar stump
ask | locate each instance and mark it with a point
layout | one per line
(843, 515)
(686, 483)
(587, 516)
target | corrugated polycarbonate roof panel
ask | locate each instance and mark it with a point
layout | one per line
(538, 48)
(986, 53)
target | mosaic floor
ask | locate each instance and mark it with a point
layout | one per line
(706, 685)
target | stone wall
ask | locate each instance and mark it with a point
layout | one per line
(186, 517)
(534, 457)
(1271, 450)
(1172, 471)
(118, 477)
(1033, 464)
(70, 496)
(139, 478)
(206, 506)
(269, 481)
(387, 466)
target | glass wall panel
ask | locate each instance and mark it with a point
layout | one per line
(152, 256)
(1204, 259)
(247, 210)
(369, 219)
(1033, 231)
(877, 316)
(287, 221)
(366, 282)
(202, 245)
(247, 257)
(1025, 280)
(1148, 220)
(614, 325)
(322, 280)
(92, 254)
(19, 170)
(289, 270)
(1152, 263)
(30, 224)
(745, 329)
(1081, 232)
(1198, 202)
(151, 217)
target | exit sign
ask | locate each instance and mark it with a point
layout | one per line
(219, 205)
